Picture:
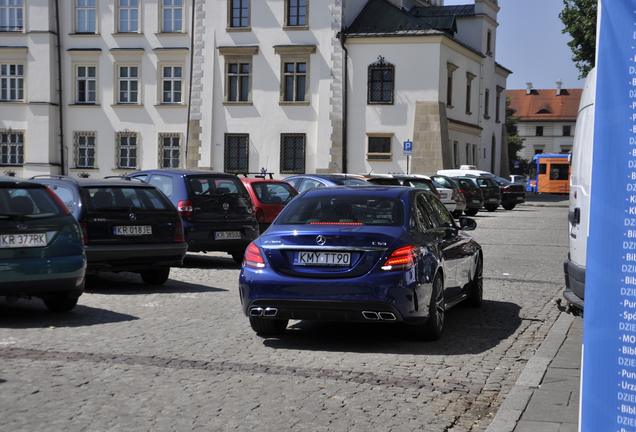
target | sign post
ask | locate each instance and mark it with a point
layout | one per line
(408, 151)
(608, 381)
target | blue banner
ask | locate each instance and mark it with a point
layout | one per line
(608, 382)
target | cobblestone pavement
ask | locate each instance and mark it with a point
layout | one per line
(182, 357)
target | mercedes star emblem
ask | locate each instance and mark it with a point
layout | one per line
(132, 216)
(226, 206)
(321, 240)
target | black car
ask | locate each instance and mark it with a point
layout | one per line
(473, 194)
(490, 189)
(511, 193)
(216, 209)
(126, 226)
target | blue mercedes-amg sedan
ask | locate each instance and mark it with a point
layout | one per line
(386, 254)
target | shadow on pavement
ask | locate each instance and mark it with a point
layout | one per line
(467, 331)
(33, 314)
(125, 283)
(212, 261)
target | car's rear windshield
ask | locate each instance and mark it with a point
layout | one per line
(354, 182)
(211, 186)
(343, 210)
(421, 183)
(28, 202)
(107, 198)
(487, 182)
(384, 181)
(467, 184)
(273, 192)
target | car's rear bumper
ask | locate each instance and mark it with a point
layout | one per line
(574, 284)
(40, 276)
(201, 237)
(450, 205)
(133, 257)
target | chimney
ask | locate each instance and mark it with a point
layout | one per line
(559, 84)
(529, 89)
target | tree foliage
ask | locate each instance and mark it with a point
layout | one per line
(515, 142)
(579, 18)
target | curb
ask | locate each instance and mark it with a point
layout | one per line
(530, 379)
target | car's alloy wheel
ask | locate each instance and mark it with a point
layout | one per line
(432, 329)
(265, 326)
(157, 276)
(476, 294)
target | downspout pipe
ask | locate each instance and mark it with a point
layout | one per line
(59, 85)
(343, 37)
(187, 137)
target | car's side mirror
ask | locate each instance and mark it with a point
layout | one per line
(467, 223)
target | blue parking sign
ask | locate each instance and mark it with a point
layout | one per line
(408, 148)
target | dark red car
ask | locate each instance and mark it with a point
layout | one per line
(269, 197)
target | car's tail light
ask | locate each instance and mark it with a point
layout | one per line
(185, 208)
(84, 232)
(58, 200)
(402, 259)
(253, 258)
(178, 233)
(506, 189)
(260, 215)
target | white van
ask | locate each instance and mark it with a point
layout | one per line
(580, 184)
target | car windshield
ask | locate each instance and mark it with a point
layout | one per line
(343, 210)
(273, 192)
(27, 203)
(215, 186)
(107, 198)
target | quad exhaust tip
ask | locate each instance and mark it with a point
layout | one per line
(267, 312)
(377, 316)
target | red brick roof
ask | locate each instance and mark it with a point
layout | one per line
(545, 104)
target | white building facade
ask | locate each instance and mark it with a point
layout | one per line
(287, 86)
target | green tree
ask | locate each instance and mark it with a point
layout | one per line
(515, 142)
(579, 18)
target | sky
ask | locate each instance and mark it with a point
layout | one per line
(531, 45)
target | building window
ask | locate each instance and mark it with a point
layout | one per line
(172, 13)
(296, 13)
(11, 148)
(381, 81)
(169, 150)
(455, 154)
(240, 13)
(238, 74)
(450, 69)
(86, 84)
(295, 77)
(566, 130)
(292, 153)
(128, 84)
(487, 104)
(294, 88)
(171, 84)
(469, 89)
(11, 15)
(86, 16)
(128, 16)
(468, 161)
(84, 149)
(11, 82)
(475, 154)
(498, 104)
(489, 42)
(236, 153)
(379, 148)
(238, 82)
(127, 150)
(539, 131)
